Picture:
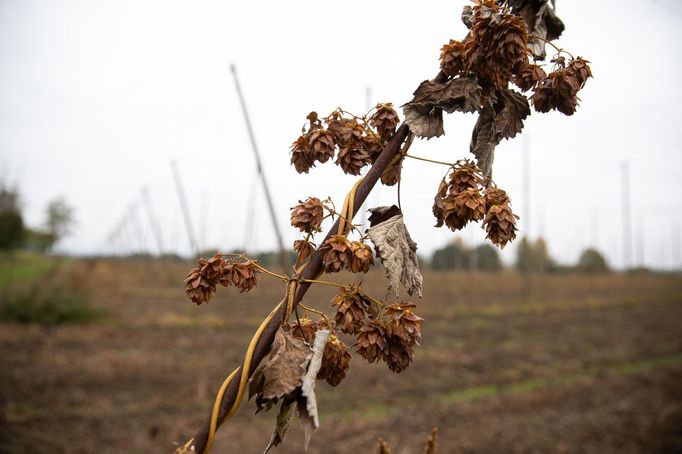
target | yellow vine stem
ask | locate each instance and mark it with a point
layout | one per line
(347, 210)
(242, 384)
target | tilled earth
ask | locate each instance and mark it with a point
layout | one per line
(557, 363)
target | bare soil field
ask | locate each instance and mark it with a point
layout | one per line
(556, 363)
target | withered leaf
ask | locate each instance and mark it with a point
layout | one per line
(425, 121)
(424, 114)
(542, 22)
(484, 139)
(512, 108)
(284, 418)
(282, 372)
(307, 402)
(397, 252)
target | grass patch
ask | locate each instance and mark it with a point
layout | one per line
(476, 392)
(23, 266)
(48, 306)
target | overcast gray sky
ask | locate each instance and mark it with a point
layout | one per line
(96, 98)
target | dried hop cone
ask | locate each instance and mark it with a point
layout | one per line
(495, 196)
(452, 58)
(404, 323)
(466, 175)
(304, 249)
(374, 145)
(462, 207)
(336, 254)
(530, 77)
(200, 284)
(335, 361)
(301, 156)
(240, 274)
(306, 330)
(560, 89)
(307, 216)
(372, 341)
(350, 310)
(399, 354)
(322, 145)
(353, 158)
(385, 119)
(362, 258)
(497, 44)
(500, 224)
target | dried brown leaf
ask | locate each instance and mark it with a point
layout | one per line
(284, 418)
(512, 108)
(307, 403)
(424, 114)
(397, 252)
(484, 139)
(282, 372)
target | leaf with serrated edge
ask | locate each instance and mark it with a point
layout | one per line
(307, 403)
(397, 252)
(515, 109)
(282, 372)
(424, 114)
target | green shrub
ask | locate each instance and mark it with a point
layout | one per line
(48, 304)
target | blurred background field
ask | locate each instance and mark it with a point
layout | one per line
(562, 362)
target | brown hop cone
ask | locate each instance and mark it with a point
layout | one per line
(307, 216)
(321, 144)
(497, 44)
(353, 158)
(495, 196)
(350, 310)
(372, 341)
(399, 354)
(462, 207)
(530, 77)
(374, 145)
(304, 249)
(212, 268)
(580, 69)
(301, 156)
(306, 330)
(335, 361)
(385, 119)
(362, 258)
(346, 131)
(404, 323)
(240, 274)
(465, 176)
(452, 58)
(558, 91)
(198, 287)
(336, 254)
(500, 224)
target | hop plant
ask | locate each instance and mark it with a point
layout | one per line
(307, 216)
(498, 42)
(500, 222)
(336, 254)
(335, 361)
(350, 310)
(385, 119)
(362, 258)
(198, 287)
(372, 340)
(304, 249)
(530, 77)
(240, 274)
(452, 58)
(403, 323)
(302, 157)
